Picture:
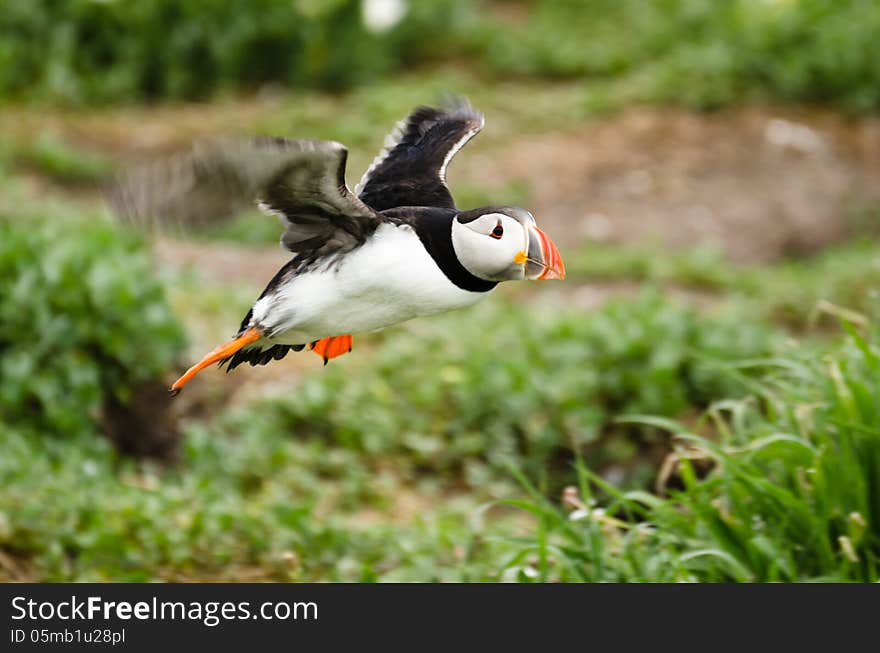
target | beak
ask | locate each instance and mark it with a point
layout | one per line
(543, 260)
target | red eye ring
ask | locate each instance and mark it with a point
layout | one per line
(497, 232)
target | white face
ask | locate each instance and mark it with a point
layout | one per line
(492, 247)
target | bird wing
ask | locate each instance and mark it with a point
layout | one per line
(411, 168)
(301, 181)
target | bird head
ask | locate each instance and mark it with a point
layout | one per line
(503, 243)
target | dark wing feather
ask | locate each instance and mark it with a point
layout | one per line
(301, 181)
(255, 356)
(411, 169)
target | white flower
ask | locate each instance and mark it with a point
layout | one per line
(381, 15)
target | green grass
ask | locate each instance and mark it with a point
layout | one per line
(792, 496)
(241, 508)
(94, 52)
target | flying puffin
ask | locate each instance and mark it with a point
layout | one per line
(394, 249)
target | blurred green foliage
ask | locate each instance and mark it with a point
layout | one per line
(701, 53)
(786, 293)
(260, 506)
(82, 317)
(510, 384)
(428, 408)
(83, 50)
(136, 522)
(56, 159)
(794, 493)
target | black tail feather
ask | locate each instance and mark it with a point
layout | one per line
(255, 356)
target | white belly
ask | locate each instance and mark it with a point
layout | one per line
(389, 280)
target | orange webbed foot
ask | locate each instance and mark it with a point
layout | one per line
(332, 347)
(223, 351)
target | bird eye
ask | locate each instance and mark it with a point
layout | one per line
(497, 232)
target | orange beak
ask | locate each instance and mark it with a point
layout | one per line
(544, 261)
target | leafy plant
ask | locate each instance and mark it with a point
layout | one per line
(82, 319)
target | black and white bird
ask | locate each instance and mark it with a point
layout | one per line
(394, 249)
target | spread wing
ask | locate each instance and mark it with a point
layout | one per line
(301, 181)
(411, 169)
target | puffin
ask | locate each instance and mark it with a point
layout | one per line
(395, 248)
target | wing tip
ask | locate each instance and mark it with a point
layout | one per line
(457, 106)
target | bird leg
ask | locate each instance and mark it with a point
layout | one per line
(223, 351)
(332, 347)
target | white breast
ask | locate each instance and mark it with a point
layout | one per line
(390, 279)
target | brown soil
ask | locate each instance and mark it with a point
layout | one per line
(145, 425)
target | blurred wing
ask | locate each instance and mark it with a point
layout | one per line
(411, 169)
(301, 181)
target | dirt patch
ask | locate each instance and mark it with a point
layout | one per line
(759, 184)
(14, 569)
(144, 426)
(133, 132)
